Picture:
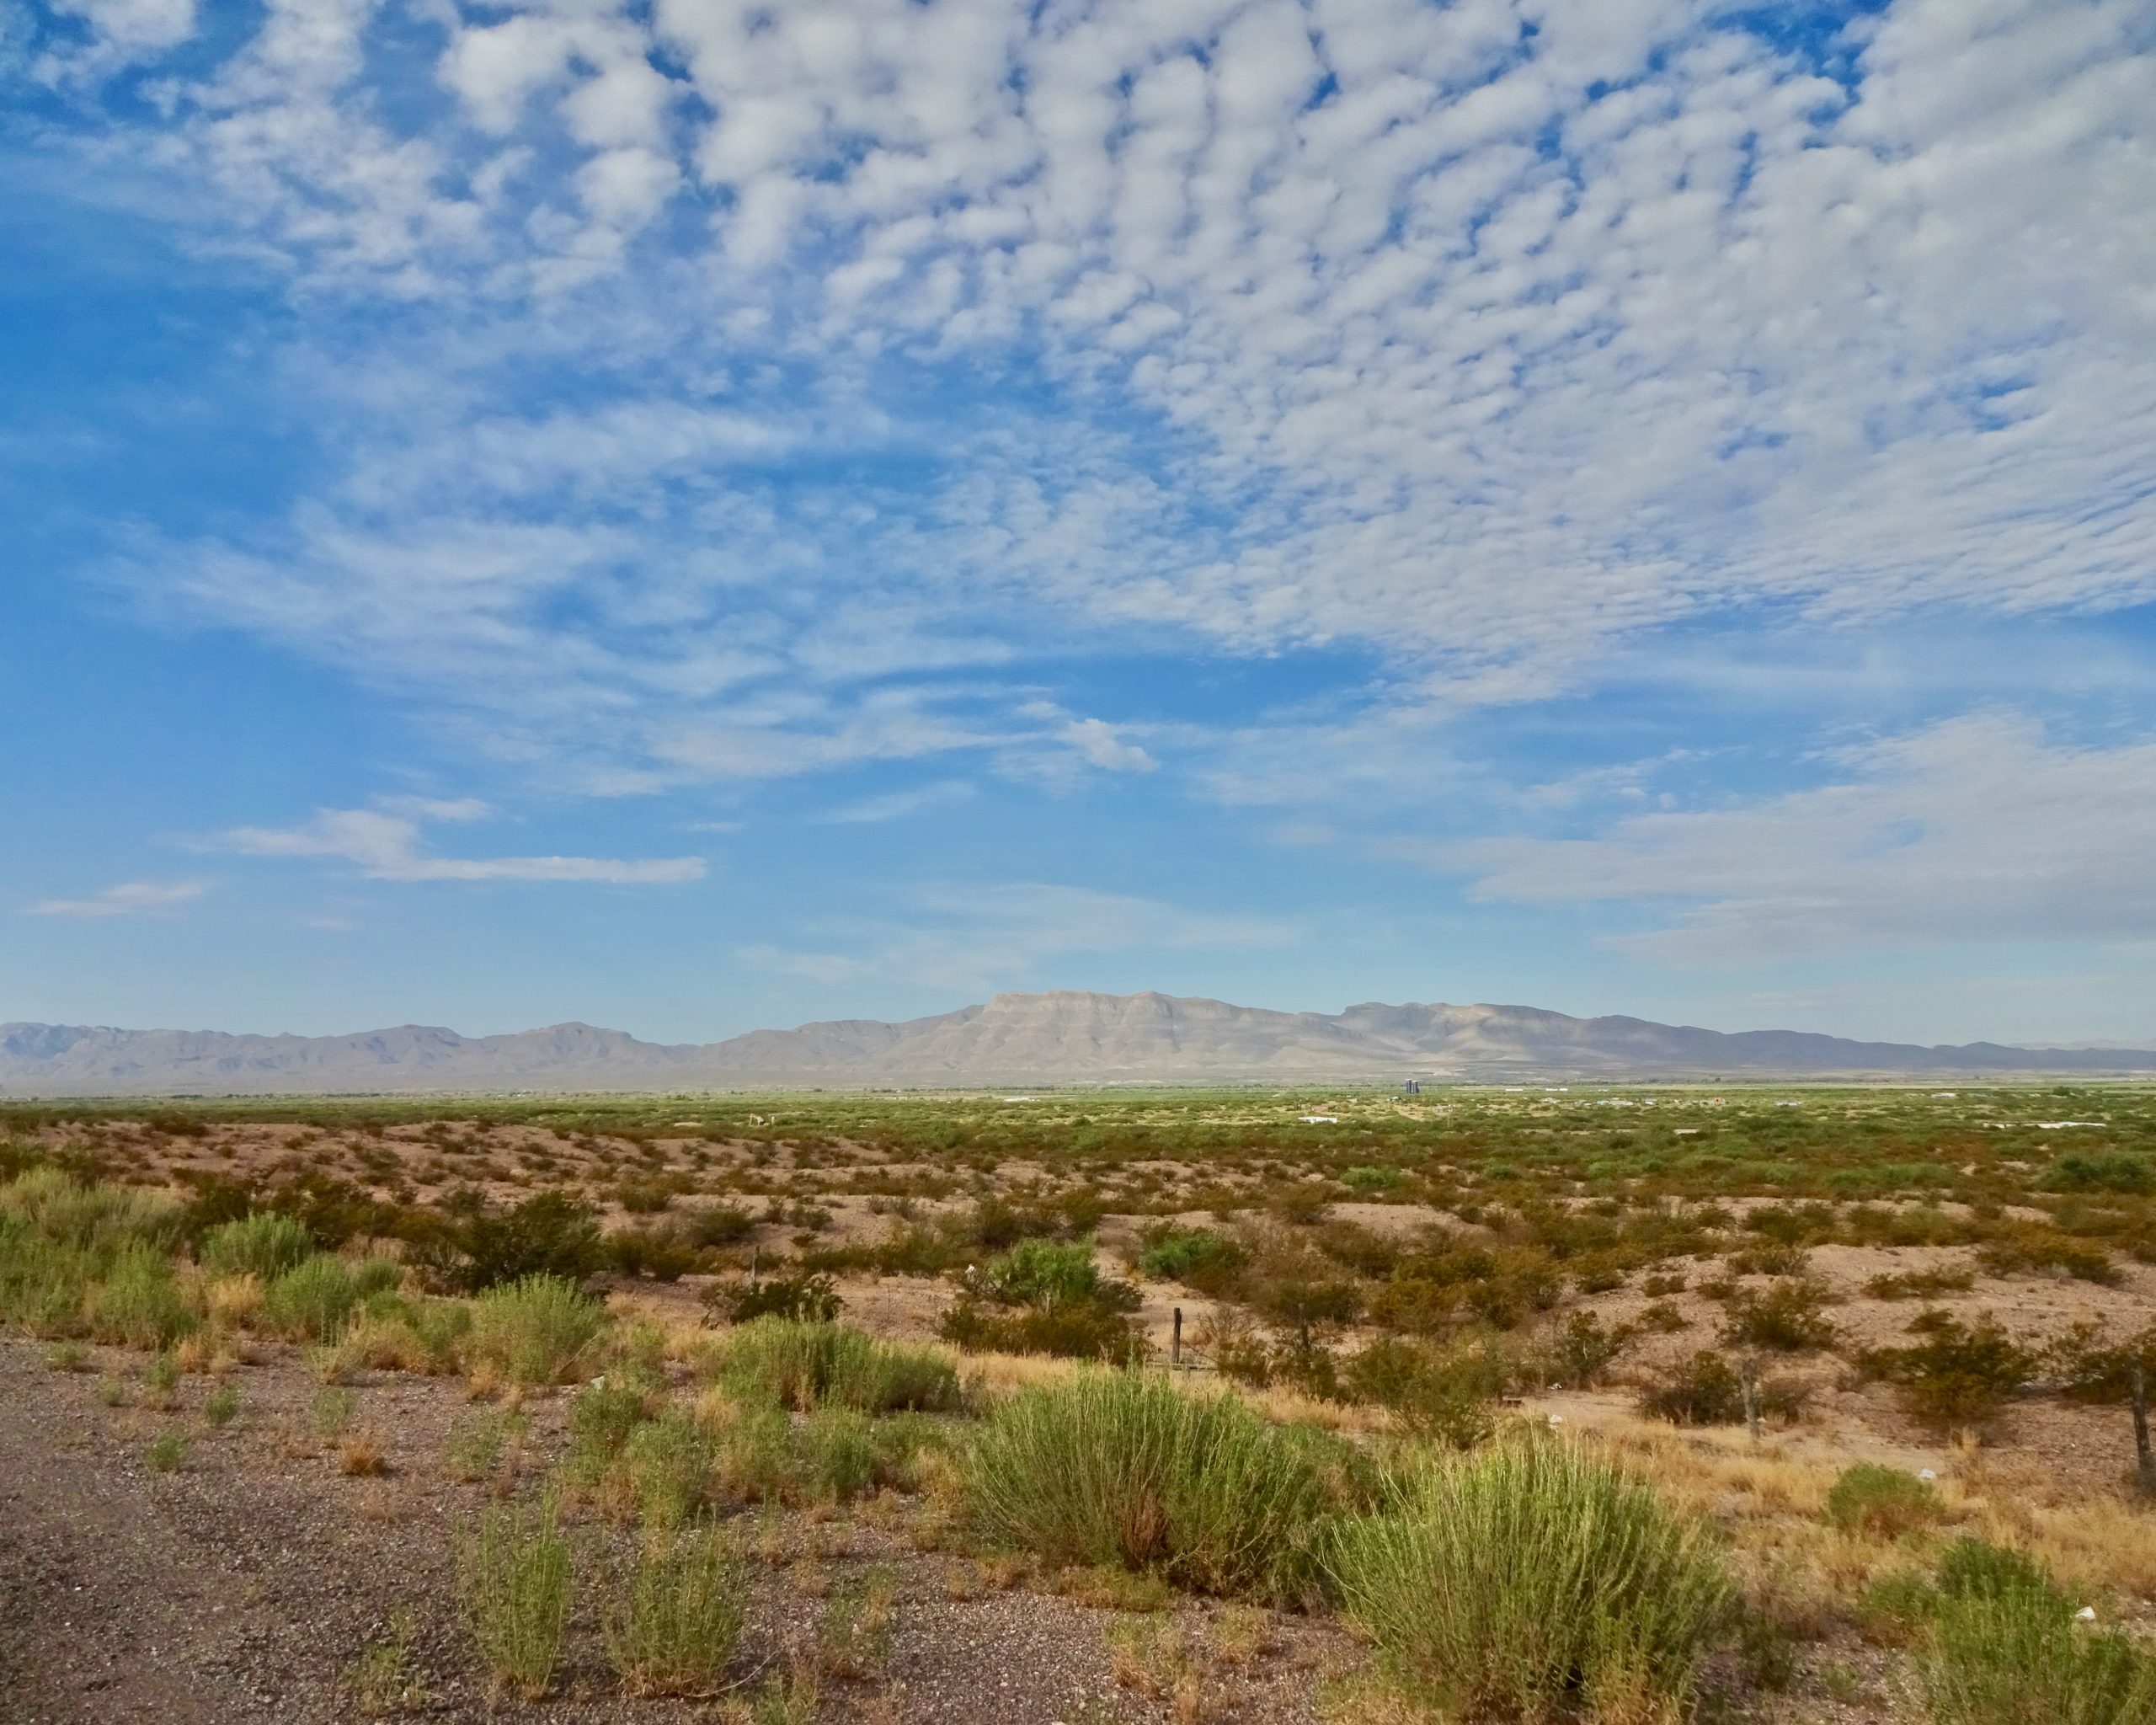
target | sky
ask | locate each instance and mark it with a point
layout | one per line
(695, 515)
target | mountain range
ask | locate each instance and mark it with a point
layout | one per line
(1014, 1039)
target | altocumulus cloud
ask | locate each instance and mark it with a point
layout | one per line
(1484, 336)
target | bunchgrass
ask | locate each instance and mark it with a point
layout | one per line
(674, 1625)
(1533, 1580)
(313, 1299)
(802, 1364)
(141, 1304)
(1117, 1467)
(536, 1330)
(1883, 1502)
(516, 1576)
(2004, 1648)
(265, 1244)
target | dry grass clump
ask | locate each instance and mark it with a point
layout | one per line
(1533, 1580)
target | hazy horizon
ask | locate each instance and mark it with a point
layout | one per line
(639, 516)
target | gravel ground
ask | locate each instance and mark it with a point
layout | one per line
(242, 1586)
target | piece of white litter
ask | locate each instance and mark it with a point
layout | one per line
(1943, 1095)
(678, 1124)
(1556, 1419)
(2087, 1614)
(1925, 1473)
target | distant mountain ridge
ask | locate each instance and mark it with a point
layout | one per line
(1056, 1037)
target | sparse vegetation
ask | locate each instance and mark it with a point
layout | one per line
(1426, 1276)
(1532, 1580)
(673, 1625)
(514, 1568)
(1114, 1467)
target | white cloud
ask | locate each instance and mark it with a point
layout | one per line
(1096, 740)
(978, 939)
(896, 805)
(1482, 348)
(1980, 829)
(386, 843)
(133, 898)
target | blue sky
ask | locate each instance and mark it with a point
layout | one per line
(698, 514)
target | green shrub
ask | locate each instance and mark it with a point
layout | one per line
(549, 1234)
(1051, 1273)
(2004, 1649)
(1788, 1316)
(1956, 1374)
(602, 1416)
(1119, 1468)
(1441, 1395)
(2102, 1171)
(99, 1219)
(667, 1470)
(140, 1303)
(1705, 1390)
(44, 1283)
(1077, 1329)
(1883, 1502)
(167, 1452)
(514, 1573)
(1199, 1258)
(1530, 1581)
(807, 1298)
(674, 1627)
(1970, 1566)
(801, 1365)
(313, 1301)
(541, 1330)
(265, 1244)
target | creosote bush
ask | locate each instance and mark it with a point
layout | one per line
(1955, 1373)
(1114, 1467)
(1533, 1581)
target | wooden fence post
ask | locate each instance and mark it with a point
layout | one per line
(1174, 1353)
(2144, 1460)
(1749, 1380)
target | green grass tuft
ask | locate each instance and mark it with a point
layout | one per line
(515, 1575)
(1119, 1468)
(674, 1627)
(1531, 1581)
(539, 1330)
